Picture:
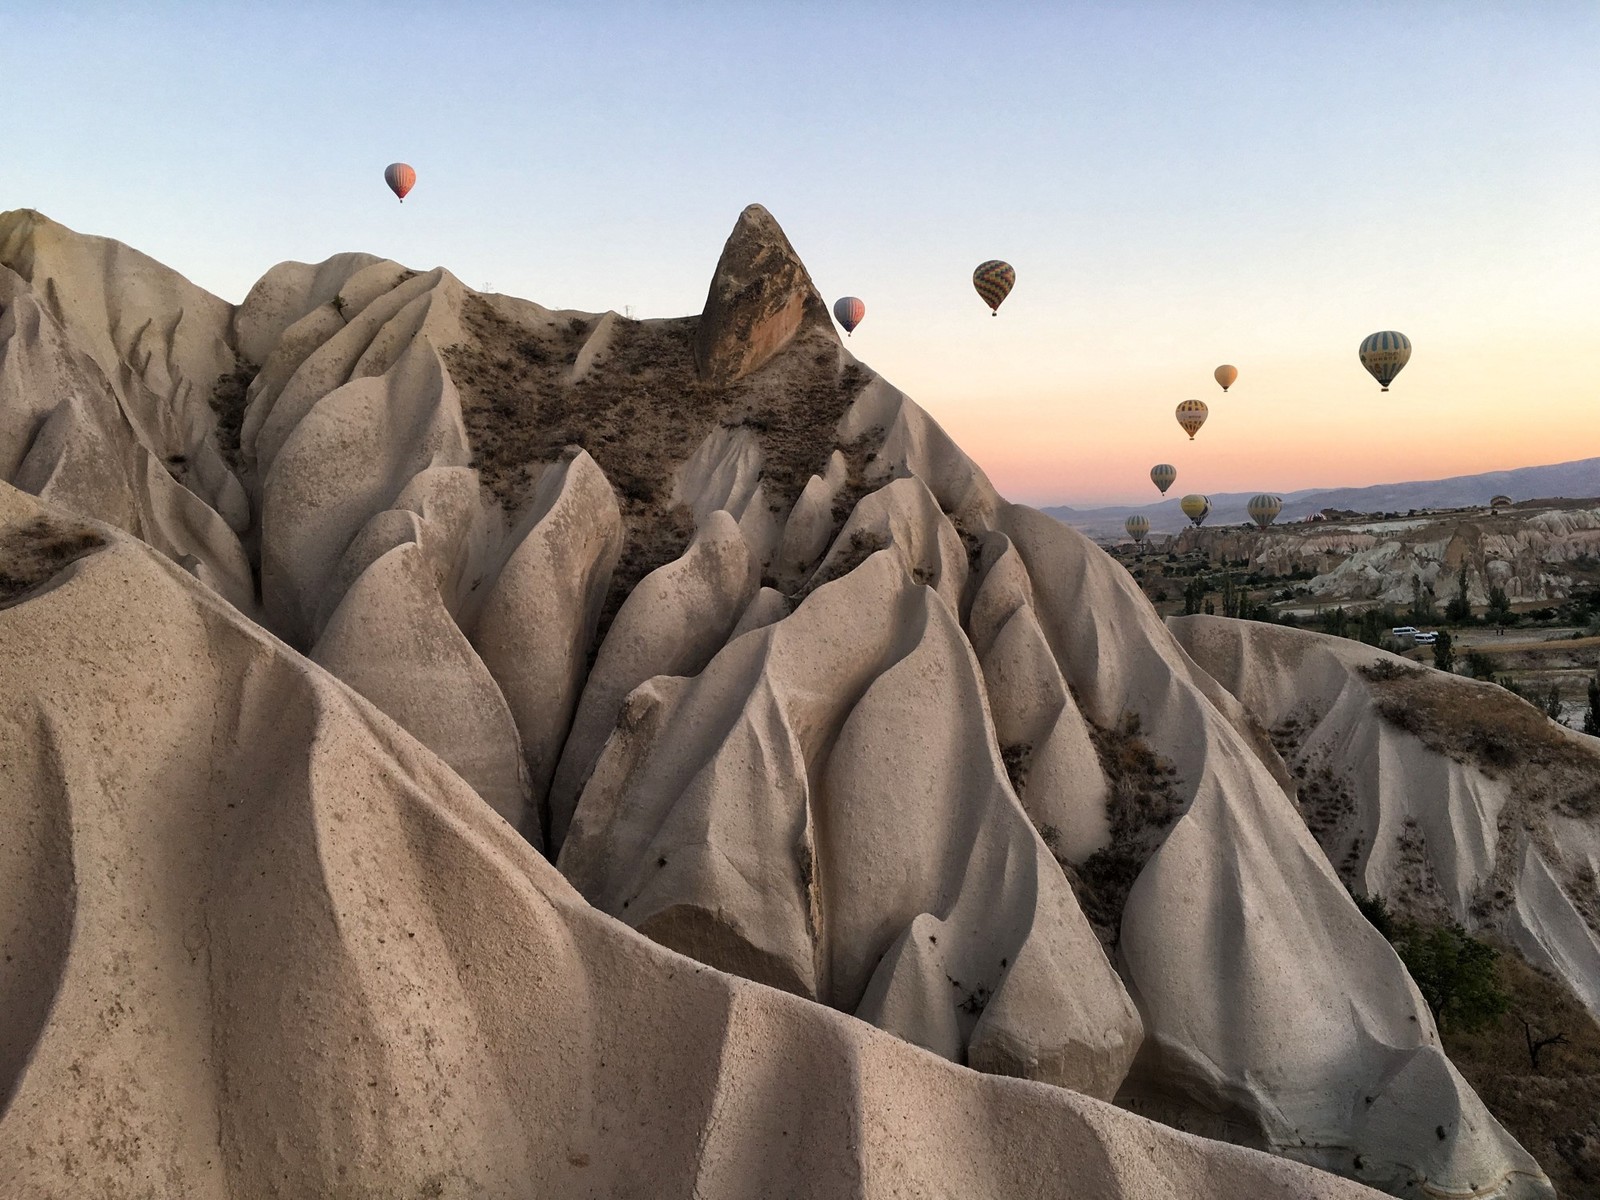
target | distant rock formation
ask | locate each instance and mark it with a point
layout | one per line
(1527, 552)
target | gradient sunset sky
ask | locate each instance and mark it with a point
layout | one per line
(1177, 185)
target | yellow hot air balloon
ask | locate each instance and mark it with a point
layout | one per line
(1137, 527)
(1264, 509)
(1163, 475)
(1192, 415)
(1225, 375)
(1196, 507)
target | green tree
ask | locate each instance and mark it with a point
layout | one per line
(1591, 719)
(1459, 610)
(1499, 610)
(1480, 665)
(1454, 972)
(1444, 655)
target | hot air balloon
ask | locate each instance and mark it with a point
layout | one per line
(1196, 508)
(1137, 527)
(994, 280)
(1225, 375)
(1163, 475)
(400, 178)
(1385, 355)
(1264, 509)
(848, 311)
(1192, 415)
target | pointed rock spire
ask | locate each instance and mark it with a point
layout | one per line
(760, 297)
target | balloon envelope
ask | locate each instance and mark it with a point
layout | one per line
(1137, 527)
(1196, 507)
(1192, 415)
(848, 311)
(1163, 475)
(1385, 355)
(994, 280)
(400, 178)
(1264, 509)
(1225, 375)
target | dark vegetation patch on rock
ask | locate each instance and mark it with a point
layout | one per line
(640, 411)
(229, 401)
(1142, 804)
(32, 553)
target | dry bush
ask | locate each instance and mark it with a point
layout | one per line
(1477, 723)
(33, 552)
(228, 401)
(640, 412)
(1142, 804)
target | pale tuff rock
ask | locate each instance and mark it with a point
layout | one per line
(1421, 828)
(760, 297)
(724, 473)
(291, 291)
(393, 641)
(107, 363)
(541, 609)
(826, 780)
(813, 783)
(265, 943)
(1062, 785)
(354, 449)
(672, 623)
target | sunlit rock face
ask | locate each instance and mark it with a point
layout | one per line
(723, 625)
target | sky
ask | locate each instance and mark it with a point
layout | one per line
(1177, 186)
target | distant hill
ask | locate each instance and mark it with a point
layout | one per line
(1580, 478)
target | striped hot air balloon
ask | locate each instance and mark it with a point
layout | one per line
(400, 178)
(1196, 507)
(848, 311)
(1137, 527)
(1192, 415)
(994, 280)
(1264, 509)
(1225, 375)
(1163, 475)
(1385, 355)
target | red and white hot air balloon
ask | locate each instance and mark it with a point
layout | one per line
(400, 178)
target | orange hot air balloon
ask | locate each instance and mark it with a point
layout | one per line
(400, 178)
(1192, 415)
(1225, 375)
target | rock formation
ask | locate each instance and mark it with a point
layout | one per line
(729, 629)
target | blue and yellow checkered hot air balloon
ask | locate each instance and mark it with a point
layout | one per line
(994, 280)
(1385, 355)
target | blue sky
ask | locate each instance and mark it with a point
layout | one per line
(1258, 184)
